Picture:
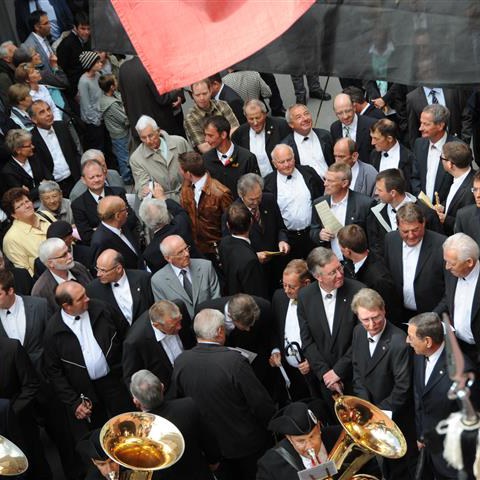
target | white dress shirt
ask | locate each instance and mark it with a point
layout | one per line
(171, 344)
(352, 129)
(223, 157)
(197, 191)
(392, 215)
(294, 201)
(95, 360)
(431, 361)
(438, 93)
(358, 265)
(329, 305)
(61, 170)
(26, 166)
(392, 159)
(97, 197)
(322, 457)
(457, 183)
(257, 147)
(119, 233)
(60, 280)
(373, 341)
(340, 211)
(462, 305)
(310, 152)
(178, 273)
(123, 296)
(433, 161)
(15, 322)
(292, 330)
(410, 260)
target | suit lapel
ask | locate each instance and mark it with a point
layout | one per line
(269, 128)
(136, 293)
(341, 305)
(380, 350)
(29, 319)
(425, 251)
(439, 371)
(463, 190)
(197, 277)
(174, 283)
(351, 208)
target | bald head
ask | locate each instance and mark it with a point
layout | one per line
(175, 251)
(344, 151)
(72, 298)
(343, 108)
(110, 266)
(112, 210)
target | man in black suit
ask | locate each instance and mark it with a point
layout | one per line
(454, 99)
(390, 188)
(326, 322)
(113, 232)
(381, 364)
(457, 161)
(55, 147)
(260, 134)
(294, 188)
(431, 384)
(226, 161)
(360, 104)
(228, 394)
(201, 454)
(156, 339)
(368, 268)
(82, 352)
(388, 152)
(468, 218)
(346, 205)
(164, 217)
(428, 174)
(311, 146)
(221, 91)
(349, 124)
(242, 267)
(414, 257)
(126, 289)
(84, 207)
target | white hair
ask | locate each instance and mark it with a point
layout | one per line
(207, 322)
(145, 121)
(464, 246)
(48, 248)
(154, 213)
(91, 154)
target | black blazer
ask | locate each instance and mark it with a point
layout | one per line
(234, 100)
(325, 350)
(325, 143)
(429, 283)
(84, 209)
(363, 141)
(139, 282)
(142, 351)
(358, 209)
(276, 129)
(312, 179)
(443, 180)
(373, 112)
(67, 145)
(243, 161)
(405, 164)
(243, 271)
(468, 221)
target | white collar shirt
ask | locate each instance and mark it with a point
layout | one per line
(410, 257)
(433, 162)
(373, 341)
(197, 191)
(95, 361)
(294, 200)
(310, 152)
(457, 183)
(224, 157)
(242, 238)
(339, 209)
(217, 96)
(15, 322)
(123, 296)
(257, 147)
(96, 197)
(61, 170)
(119, 233)
(322, 457)
(171, 344)
(462, 305)
(292, 331)
(438, 93)
(390, 158)
(431, 361)
(329, 299)
(355, 171)
(25, 166)
(350, 131)
(60, 280)
(392, 215)
(178, 273)
(358, 265)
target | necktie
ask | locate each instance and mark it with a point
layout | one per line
(433, 94)
(346, 130)
(256, 216)
(99, 198)
(385, 154)
(187, 286)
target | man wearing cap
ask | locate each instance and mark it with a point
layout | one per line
(302, 446)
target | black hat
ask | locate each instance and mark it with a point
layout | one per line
(59, 229)
(294, 419)
(89, 446)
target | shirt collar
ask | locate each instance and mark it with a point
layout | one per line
(439, 145)
(376, 337)
(12, 309)
(228, 153)
(300, 138)
(394, 149)
(199, 184)
(462, 177)
(343, 201)
(325, 293)
(177, 270)
(122, 280)
(242, 238)
(353, 125)
(284, 178)
(95, 196)
(435, 356)
(418, 246)
(116, 230)
(473, 275)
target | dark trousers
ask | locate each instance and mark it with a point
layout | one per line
(300, 243)
(94, 137)
(276, 102)
(66, 186)
(243, 468)
(299, 84)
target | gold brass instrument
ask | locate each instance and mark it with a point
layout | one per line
(141, 442)
(13, 461)
(368, 429)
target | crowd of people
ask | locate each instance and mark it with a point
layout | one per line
(232, 269)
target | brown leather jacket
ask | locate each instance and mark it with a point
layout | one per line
(207, 217)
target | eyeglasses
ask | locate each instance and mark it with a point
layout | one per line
(25, 203)
(343, 113)
(182, 252)
(105, 270)
(375, 319)
(30, 145)
(332, 274)
(63, 255)
(475, 189)
(443, 159)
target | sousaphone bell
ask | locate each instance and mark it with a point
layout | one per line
(13, 461)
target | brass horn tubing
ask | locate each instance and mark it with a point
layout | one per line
(356, 465)
(136, 475)
(342, 448)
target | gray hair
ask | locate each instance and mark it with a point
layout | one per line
(439, 113)
(254, 102)
(48, 247)
(243, 309)
(318, 258)
(464, 246)
(281, 146)
(247, 182)
(154, 213)
(15, 138)
(164, 244)
(3, 48)
(207, 322)
(367, 298)
(91, 154)
(47, 186)
(147, 389)
(161, 309)
(428, 324)
(288, 113)
(145, 121)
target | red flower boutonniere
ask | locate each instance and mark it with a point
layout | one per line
(231, 162)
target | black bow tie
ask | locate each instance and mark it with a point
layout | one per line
(77, 317)
(371, 340)
(385, 154)
(116, 284)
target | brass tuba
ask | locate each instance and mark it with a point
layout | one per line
(369, 430)
(13, 461)
(142, 442)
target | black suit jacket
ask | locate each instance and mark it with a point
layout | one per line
(310, 176)
(428, 284)
(325, 142)
(443, 180)
(235, 101)
(325, 350)
(243, 271)
(468, 221)
(243, 161)
(103, 238)
(358, 209)
(373, 112)
(405, 164)
(276, 129)
(229, 396)
(142, 351)
(84, 209)
(142, 295)
(364, 144)
(67, 145)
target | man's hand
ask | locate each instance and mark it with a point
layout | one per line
(379, 103)
(177, 103)
(158, 191)
(330, 378)
(420, 445)
(336, 387)
(441, 216)
(326, 235)
(304, 367)
(275, 359)
(263, 257)
(283, 247)
(82, 412)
